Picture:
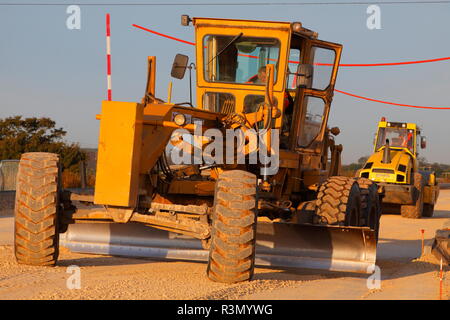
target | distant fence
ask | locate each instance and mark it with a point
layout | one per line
(8, 173)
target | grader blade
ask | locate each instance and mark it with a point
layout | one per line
(277, 245)
(315, 247)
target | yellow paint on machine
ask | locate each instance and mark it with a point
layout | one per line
(119, 151)
(277, 30)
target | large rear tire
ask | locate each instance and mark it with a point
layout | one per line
(232, 250)
(415, 211)
(339, 202)
(36, 234)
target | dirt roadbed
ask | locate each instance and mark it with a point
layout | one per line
(403, 276)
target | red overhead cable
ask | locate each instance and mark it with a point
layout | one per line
(341, 65)
(164, 35)
(391, 103)
(383, 64)
(317, 63)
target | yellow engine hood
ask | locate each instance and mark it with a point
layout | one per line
(394, 172)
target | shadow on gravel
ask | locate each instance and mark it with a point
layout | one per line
(392, 270)
(438, 214)
(402, 258)
(305, 275)
(86, 260)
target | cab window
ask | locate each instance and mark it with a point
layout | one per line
(221, 102)
(312, 122)
(239, 59)
(398, 138)
(252, 102)
(323, 67)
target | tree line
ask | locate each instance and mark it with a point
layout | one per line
(19, 135)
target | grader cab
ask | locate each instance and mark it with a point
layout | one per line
(249, 176)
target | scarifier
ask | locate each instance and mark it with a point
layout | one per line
(272, 79)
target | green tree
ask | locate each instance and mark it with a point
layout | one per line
(19, 135)
(362, 161)
(422, 162)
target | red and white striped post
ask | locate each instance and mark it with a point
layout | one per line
(108, 55)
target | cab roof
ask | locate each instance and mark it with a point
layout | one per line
(237, 22)
(259, 24)
(392, 124)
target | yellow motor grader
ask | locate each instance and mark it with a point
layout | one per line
(395, 168)
(249, 176)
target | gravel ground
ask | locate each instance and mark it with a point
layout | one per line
(403, 276)
(105, 277)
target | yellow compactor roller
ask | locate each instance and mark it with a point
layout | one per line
(270, 84)
(394, 167)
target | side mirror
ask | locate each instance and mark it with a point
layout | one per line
(423, 142)
(304, 75)
(185, 20)
(179, 66)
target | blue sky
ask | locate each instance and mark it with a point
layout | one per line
(49, 70)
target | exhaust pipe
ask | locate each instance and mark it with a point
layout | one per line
(386, 153)
(283, 245)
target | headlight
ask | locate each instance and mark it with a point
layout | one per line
(296, 26)
(179, 119)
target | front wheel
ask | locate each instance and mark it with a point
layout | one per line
(36, 212)
(232, 250)
(338, 202)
